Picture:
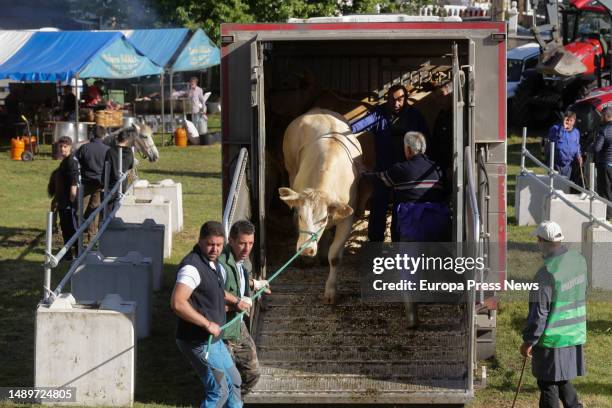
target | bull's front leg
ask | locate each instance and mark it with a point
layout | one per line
(336, 250)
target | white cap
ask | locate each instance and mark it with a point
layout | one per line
(549, 231)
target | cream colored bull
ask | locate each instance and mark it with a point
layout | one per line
(323, 159)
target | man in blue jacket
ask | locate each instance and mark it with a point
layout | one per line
(389, 122)
(567, 144)
(603, 158)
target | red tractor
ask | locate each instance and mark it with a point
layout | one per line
(588, 113)
(574, 60)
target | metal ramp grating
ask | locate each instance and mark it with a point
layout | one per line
(354, 352)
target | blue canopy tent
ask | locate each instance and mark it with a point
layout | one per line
(199, 53)
(63, 55)
(159, 45)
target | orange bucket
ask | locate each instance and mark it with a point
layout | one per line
(180, 137)
(17, 148)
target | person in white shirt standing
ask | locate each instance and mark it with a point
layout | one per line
(198, 103)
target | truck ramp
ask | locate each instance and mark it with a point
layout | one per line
(355, 352)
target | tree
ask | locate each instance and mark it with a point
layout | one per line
(281, 10)
(205, 14)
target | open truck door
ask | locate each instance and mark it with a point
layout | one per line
(458, 144)
(258, 149)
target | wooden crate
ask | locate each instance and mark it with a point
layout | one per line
(109, 118)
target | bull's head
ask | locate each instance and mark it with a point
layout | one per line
(315, 210)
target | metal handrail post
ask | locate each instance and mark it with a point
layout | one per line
(106, 182)
(592, 189)
(120, 169)
(49, 248)
(523, 149)
(551, 178)
(80, 200)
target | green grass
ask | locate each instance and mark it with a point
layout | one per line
(163, 377)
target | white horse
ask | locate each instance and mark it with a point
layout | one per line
(141, 138)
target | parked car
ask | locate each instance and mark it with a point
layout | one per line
(518, 60)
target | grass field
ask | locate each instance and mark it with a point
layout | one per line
(163, 377)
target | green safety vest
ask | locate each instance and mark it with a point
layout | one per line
(566, 323)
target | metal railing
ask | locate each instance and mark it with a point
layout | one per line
(554, 176)
(234, 191)
(475, 215)
(52, 261)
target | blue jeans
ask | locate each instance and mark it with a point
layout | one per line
(564, 170)
(219, 374)
(196, 118)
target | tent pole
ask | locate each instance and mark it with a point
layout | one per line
(171, 103)
(76, 109)
(163, 120)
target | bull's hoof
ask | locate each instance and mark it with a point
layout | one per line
(329, 298)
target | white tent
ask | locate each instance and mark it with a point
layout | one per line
(11, 42)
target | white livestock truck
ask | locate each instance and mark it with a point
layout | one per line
(355, 352)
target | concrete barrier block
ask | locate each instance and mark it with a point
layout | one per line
(146, 238)
(597, 250)
(572, 222)
(168, 189)
(88, 348)
(130, 276)
(530, 198)
(136, 210)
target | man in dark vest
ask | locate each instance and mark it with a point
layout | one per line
(238, 283)
(199, 301)
(556, 324)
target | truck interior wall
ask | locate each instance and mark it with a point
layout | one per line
(295, 74)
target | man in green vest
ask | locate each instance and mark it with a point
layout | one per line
(237, 282)
(556, 324)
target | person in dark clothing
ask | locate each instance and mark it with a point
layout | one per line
(556, 324)
(602, 148)
(389, 123)
(198, 299)
(419, 201)
(419, 193)
(63, 186)
(112, 156)
(68, 104)
(91, 158)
